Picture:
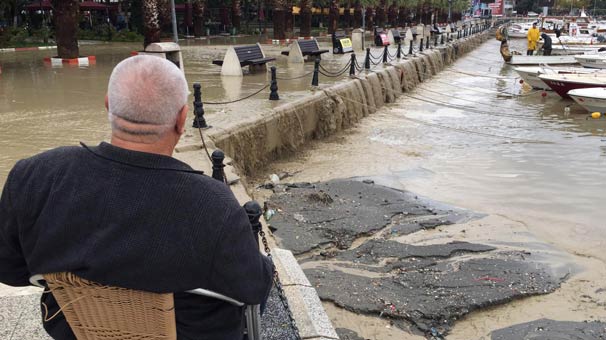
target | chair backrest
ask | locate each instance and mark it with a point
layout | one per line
(99, 312)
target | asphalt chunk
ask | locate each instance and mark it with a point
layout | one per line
(545, 329)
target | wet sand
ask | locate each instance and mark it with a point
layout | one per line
(534, 171)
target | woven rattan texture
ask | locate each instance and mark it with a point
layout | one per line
(98, 312)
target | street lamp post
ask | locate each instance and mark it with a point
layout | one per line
(174, 20)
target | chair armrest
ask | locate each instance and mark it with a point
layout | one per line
(211, 294)
(35, 280)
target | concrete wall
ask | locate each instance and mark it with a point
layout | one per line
(329, 110)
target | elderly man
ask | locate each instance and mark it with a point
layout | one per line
(127, 214)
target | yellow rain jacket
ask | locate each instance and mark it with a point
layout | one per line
(533, 38)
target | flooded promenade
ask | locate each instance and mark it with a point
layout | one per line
(472, 137)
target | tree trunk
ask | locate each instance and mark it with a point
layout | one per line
(151, 22)
(66, 14)
(392, 14)
(305, 17)
(236, 14)
(370, 16)
(164, 15)
(198, 7)
(347, 14)
(290, 25)
(279, 19)
(380, 16)
(402, 17)
(357, 19)
(333, 16)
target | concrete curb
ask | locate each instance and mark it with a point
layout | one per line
(304, 302)
(20, 49)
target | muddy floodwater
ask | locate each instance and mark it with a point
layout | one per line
(475, 138)
(472, 137)
(42, 107)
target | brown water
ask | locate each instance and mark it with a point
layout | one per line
(461, 138)
(43, 107)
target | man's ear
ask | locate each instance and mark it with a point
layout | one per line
(181, 118)
(106, 102)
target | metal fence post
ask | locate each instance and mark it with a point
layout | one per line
(442, 39)
(399, 54)
(367, 60)
(199, 121)
(254, 212)
(427, 43)
(315, 79)
(410, 49)
(421, 46)
(273, 95)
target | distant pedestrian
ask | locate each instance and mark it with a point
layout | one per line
(533, 38)
(546, 42)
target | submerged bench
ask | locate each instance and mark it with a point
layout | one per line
(303, 48)
(241, 56)
(341, 43)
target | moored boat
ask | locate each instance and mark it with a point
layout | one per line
(562, 83)
(542, 59)
(591, 99)
(530, 74)
(597, 60)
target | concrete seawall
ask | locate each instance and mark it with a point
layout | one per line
(331, 109)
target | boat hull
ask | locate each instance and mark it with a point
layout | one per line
(592, 61)
(589, 102)
(536, 60)
(531, 77)
(562, 87)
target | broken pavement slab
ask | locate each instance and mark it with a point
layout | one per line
(335, 213)
(545, 329)
(370, 271)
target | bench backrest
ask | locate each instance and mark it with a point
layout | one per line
(248, 52)
(397, 33)
(308, 45)
(339, 34)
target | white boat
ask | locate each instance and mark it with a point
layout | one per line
(591, 99)
(562, 83)
(542, 59)
(519, 29)
(530, 74)
(558, 49)
(597, 60)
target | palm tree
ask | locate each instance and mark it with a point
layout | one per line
(236, 13)
(198, 8)
(333, 16)
(357, 20)
(380, 13)
(66, 14)
(305, 16)
(279, 19)
(151, 22)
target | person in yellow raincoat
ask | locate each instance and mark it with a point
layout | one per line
(533, 38)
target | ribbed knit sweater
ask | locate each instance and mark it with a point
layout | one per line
(135, 220)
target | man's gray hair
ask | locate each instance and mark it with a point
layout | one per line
(145, 94)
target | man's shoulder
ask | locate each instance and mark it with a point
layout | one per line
(52, 157)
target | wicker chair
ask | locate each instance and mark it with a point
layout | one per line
(98, 312)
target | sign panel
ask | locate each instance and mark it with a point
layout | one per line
(346, 44)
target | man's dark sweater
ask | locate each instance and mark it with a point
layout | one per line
(135, 220)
